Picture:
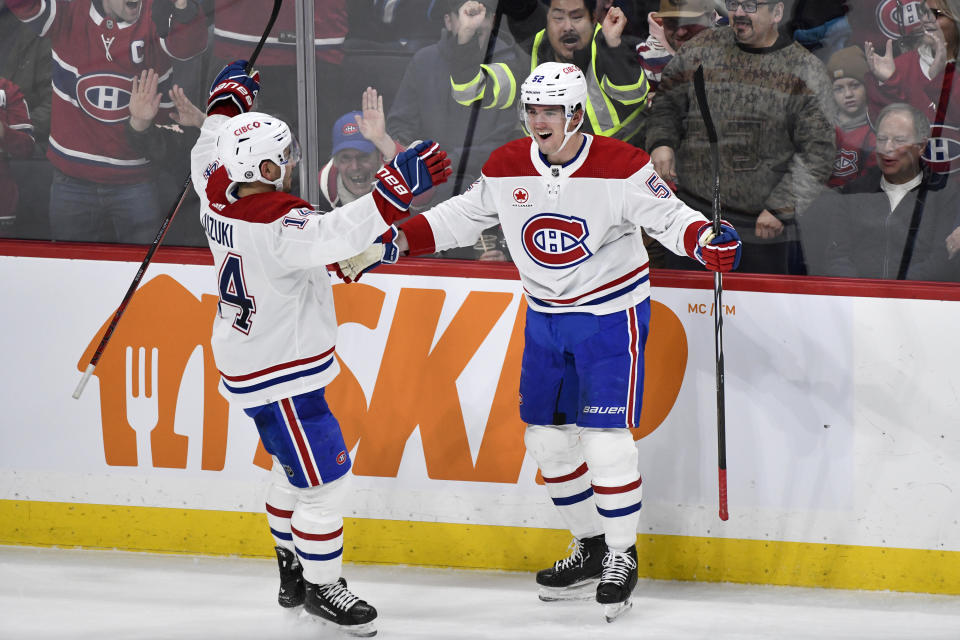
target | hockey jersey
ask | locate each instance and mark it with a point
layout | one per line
(573, 230)
(95, 59)
(238, 25)
(17, 141)
(275, 328)
(855, 154)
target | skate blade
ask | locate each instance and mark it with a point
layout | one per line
(366, 630)
(613, 611)
(585, 590)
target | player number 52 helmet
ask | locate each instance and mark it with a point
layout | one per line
(250, 138)
(554, 83)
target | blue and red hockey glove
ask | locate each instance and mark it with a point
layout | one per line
(384, 250)
(718, 252)
(412, 172)
(234, 87)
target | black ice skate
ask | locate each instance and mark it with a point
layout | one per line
(334, 604)
(617, 582)
(574, 577)
(291, 579)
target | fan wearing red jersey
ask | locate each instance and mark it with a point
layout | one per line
(103, 189)
(571, 206)
(275, 330)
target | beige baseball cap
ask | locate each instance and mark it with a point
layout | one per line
(684, 8)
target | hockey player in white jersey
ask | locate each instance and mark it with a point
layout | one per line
(275, 329)
(571, 206)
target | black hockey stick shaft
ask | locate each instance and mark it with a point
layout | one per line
(701, 91)
(164, 226)
(475, 107)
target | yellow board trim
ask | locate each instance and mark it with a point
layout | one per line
(662, 557)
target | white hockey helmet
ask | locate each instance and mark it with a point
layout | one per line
(248, 139)
(554, 83)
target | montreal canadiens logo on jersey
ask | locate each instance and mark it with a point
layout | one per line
(896, 23)
(846, 163)
(555, 241)
(942, 152)
(104, 96)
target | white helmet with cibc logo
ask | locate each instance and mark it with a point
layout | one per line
(554, 83)
(248, 139)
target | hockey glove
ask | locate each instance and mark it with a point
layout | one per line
(384, 250)
(233, 86)
(414, 171)
(718, 252)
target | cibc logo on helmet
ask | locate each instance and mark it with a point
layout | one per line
(246, 128)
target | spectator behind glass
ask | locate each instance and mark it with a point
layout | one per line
(16, 141)
(897, 221)
(821, 26)
(360, 147)
(103, 190)
(924, 78)
(238, 25)
(25, 61)
(565, 31)
(854, 133)
(675, 23)
(426, 107)
(770, 99)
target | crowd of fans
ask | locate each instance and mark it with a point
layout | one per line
(838, 120)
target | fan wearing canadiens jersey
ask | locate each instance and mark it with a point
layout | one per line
(571, 206)
(104, 190)
(275, 329)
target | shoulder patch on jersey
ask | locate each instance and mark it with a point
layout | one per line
(612, 159)
(511, 160)
(264, 208)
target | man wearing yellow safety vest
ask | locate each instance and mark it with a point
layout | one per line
(616, 86)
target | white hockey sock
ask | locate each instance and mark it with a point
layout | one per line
(319, 541)
(557, 452)
(281, 500)
(617, 488)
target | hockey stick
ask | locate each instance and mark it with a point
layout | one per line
(701, 91)
(475, 107)
(164, 226)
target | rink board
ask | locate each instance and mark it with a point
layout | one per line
(841, 439)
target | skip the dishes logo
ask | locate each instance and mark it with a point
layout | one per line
(160, 406)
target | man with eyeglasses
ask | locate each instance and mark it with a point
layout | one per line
(866, 228)
(771, 102)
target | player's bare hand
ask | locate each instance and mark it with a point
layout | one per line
(881, 66)
(144, 99)
(187, 115)
(613, 25)
(768, 227)
(953, 243)
(664, 163)
(472, 20)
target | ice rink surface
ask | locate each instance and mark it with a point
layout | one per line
(111, 595)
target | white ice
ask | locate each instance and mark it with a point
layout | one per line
(106, 595)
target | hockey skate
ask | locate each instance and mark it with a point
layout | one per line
(333, 604)
(291, 579)
(574, 577)
(617, 582)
